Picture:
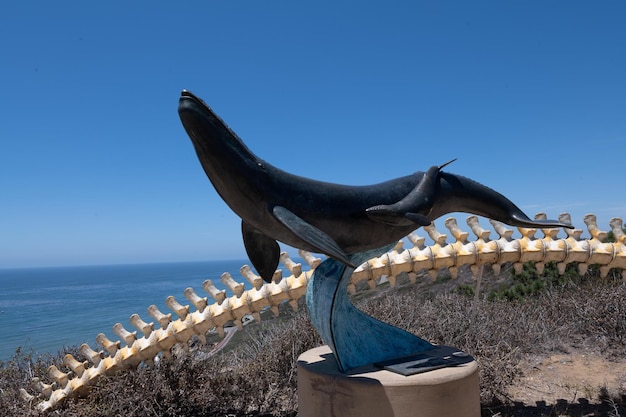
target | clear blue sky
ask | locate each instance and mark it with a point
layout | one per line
(96, 168)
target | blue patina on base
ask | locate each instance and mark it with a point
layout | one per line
(355, 338)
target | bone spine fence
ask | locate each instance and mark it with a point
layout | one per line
(214, 316)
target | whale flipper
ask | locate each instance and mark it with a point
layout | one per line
(311, 234)
(263, 251)
(411, 208)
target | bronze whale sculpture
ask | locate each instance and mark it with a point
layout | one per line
(321, 217)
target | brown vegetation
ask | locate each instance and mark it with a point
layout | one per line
(256, 375)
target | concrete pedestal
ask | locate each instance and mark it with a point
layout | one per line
(371, 392)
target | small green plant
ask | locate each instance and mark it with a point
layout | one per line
(529, 282)
(466, 289)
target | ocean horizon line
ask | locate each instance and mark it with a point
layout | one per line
(124, 264)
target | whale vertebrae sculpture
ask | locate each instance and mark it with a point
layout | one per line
(419, 257)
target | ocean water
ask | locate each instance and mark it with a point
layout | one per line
(47, 309)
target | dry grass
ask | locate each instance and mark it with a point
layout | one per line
(258, 378)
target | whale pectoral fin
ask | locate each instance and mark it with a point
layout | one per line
(311, 234)
(263, 251)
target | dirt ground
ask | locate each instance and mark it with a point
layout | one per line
(568, 377)
(576, 384)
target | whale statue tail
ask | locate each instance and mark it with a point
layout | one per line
(456, 193)
(438, 193)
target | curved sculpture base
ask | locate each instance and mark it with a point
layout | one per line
(324, 390)
(355, 338)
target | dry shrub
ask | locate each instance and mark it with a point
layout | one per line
(20, 373)
(258, 377)
(484, 330)
(15, 374)
(589, 315)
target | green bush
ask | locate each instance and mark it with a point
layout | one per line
(529, 282)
